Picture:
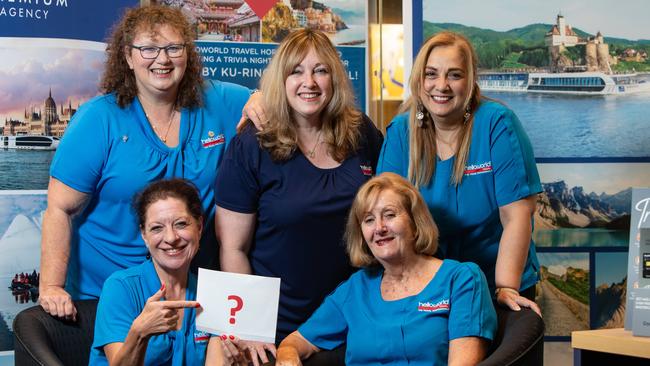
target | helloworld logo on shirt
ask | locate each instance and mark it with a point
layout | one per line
(213, 140)
(428, 307)
(201, 337)
(480, 168)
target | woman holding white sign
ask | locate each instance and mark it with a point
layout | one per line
(284, 192)
(404, 306)
(146, 314)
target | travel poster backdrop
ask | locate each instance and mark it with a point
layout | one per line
(237, 39)
(52, 56)
(578, 77)
(52, 59)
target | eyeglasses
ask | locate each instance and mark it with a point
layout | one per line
(151, 52)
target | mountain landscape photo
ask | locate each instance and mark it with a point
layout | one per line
(610, 302)
(561, 206)
(524, 47)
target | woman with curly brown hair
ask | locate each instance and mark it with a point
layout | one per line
(284, 192)
(156, 119)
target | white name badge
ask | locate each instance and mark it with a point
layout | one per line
(245, 306)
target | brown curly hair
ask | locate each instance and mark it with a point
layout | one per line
(118, 78)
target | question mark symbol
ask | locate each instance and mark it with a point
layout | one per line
(239, 305)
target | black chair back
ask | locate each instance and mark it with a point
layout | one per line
(41, 339)
(519, 340)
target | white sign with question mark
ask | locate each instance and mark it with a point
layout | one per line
(236, 304)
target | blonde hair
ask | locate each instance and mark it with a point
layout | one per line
(422, 138)
(341, 120)
(424, 228)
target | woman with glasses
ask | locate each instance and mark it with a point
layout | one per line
(156, 119)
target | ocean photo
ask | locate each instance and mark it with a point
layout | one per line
(20, 235)
(24, 169)
(604, 126)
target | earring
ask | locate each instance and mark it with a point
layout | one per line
(419, 115)
(467, 115)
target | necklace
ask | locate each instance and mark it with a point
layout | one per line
(312, 153)
(169, 125)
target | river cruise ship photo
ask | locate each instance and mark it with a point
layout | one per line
(29, 142)
(578, 83)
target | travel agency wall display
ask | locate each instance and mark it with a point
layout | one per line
(237, 39)
(579, 81)
(52, 56)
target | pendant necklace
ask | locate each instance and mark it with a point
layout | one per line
(169, 125)
(312, 153)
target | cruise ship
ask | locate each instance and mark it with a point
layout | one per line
(576, 83)
(29, 142)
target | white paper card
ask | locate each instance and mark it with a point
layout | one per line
(236, 304)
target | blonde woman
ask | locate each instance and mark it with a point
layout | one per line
(404, 307)
(473, 163)
(285, 191)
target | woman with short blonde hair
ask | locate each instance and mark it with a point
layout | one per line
(425, 230)
(404, 307)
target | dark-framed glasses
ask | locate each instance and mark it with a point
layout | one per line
(151, 52)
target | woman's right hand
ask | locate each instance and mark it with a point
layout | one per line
(158, 316)
(257, 351)
(57, 302)
(254, 111)
(288, 356)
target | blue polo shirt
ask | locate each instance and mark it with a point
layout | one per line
(415, 330)
(111, 153)
(500, 170)
(124, 296)
(301, 213)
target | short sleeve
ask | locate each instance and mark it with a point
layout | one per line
(472, 313)
(395, 150)
(237, 185)
(115, 314)
(81, 155)
(513, 163)
(327, 327)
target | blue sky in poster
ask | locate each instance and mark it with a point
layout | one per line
(30, 205)
(243, 63)
(590, 176)
(28, 74)
(61, 18)
(624, 19)
(610, 268)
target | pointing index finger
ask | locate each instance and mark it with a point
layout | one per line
(179, 304)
